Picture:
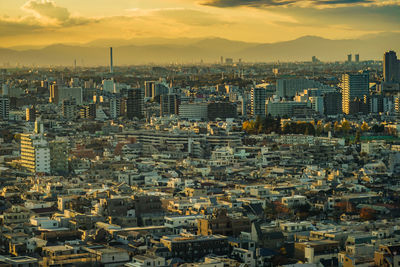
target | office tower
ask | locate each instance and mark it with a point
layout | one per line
(357, 58)
(108, 86)
(222, 60)
(54, 94)
(149, 88)
(258, 98)
(111, 61)
(169, 105)
(221, 110)
(193, 111)
(59, 157)
(134, 104)
(30, 114)
(354, 86)
(35, 153)
(349, 58)
(4, 108)
(88, 112)
(391, 67)
(332, 103)
(69, 109)
(115, 107)
(70, 93)
(159, 89)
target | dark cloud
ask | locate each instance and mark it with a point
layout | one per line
(274, 3)
(250, 3)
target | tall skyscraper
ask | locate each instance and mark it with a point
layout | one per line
(134, 104)
(391, 67)
(149, 88)
(357, 58)
(4, 108)
(169, 104)
(354, 88)
(258, 98)
(54, 94)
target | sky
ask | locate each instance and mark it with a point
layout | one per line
(45, 22)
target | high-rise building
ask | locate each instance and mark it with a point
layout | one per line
(59, 157)
(357, 58)
(88, 112)
(4, 108)
(69, 109)
(4, 90)
(169, 105)
(149, 88)
(288, 88)
(30, 114)
(354, 86)
(349, 58)
(391, 67)
(332, 103)
(35, 153)
(115, 107)
(54, 93)
(134, 104)
(258, 98)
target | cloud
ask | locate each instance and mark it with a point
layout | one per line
(298, 3)
(49, 12)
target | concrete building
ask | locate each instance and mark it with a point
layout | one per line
(193, 111)
(35, 153)
(134, 104)
(258, 98)
(69, 109)
(391, 67)
(4, 108)
(354, 86)
(169, 104)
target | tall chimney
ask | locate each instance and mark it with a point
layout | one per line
(111, 61)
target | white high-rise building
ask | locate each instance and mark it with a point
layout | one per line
(35, 153)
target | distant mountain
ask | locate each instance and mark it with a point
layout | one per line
(187, 50)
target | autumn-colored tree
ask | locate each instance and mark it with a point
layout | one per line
(364, 127)
(336, 127)
(319, 128)
(367, 214)
(345, 126)
(328, 127)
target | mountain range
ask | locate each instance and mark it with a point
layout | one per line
(187, 50)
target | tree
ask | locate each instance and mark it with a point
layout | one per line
(364, 127)
(345, 126)
(319, 128)
(336, 127)
(357, 138)
(367, 214)
(328, 127)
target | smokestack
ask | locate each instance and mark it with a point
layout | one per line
(111, 61)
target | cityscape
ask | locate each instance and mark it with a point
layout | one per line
(167, 134)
